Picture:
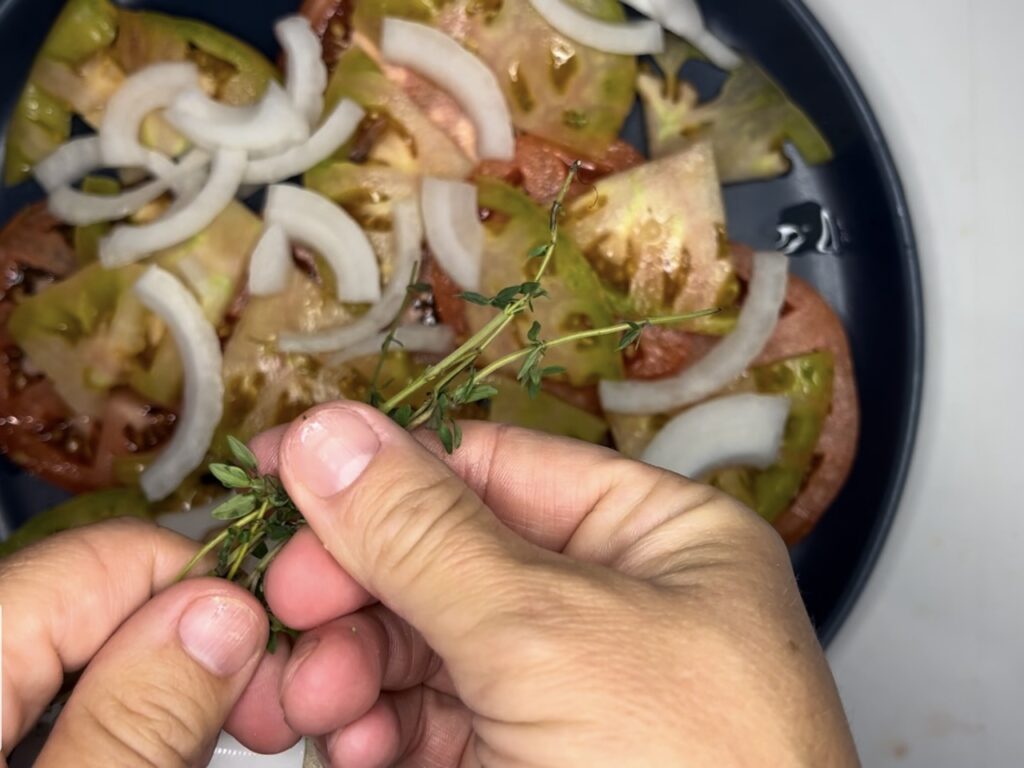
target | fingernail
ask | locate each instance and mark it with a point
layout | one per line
(221, 634)
(331, 450)
(302, 652)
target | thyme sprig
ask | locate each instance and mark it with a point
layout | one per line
(262, 518)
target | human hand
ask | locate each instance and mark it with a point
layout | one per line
(161, 673)
(532, 601)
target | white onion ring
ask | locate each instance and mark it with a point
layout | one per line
(451, 219)
(325, 227)
(69, 163)
(456, 70)
(633, 38)
(81, 209)
(148, 90)
(203, 397)
(684, 18)
(724, 363)
(736, 431)
(306, 78)
(408, 235)
(423, 339)
(271, 263)
(324, 142)
(131, 243)
(270, 125)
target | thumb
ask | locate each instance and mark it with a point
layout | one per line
(160, 689)
(400, 522)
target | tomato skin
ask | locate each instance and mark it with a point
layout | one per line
(808, 324)
(38, 431)
(541, 167)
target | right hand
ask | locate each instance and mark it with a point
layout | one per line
(532, 601)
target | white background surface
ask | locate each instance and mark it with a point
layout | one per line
(931, 665)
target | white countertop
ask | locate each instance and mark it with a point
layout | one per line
(931, 664)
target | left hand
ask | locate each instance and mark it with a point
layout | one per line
(161, 673)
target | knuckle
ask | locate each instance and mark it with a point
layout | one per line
(149, 723)
(404, 521)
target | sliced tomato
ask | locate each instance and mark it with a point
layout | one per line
(38, 430)
(330, 20)
(808, 324)
(540, 167)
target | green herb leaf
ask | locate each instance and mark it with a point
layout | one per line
(237, 506)
(444, 434)
(534, 333)
(402, 416)
(539, 251)
(506, 296)
(230, 477)
(475, 298)
(632, 336)
(243, 456)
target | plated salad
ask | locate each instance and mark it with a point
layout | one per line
(227, 241)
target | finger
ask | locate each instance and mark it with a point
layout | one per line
(399, 521)
(160, 689)
(503, 465)
(62, 600)
(265, 446)
(562, 479)
(305, 587)
(257, 719)
(409, 728)
(339, 670)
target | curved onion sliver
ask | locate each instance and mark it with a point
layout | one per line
(203, 397)
(324, 142)
(455, 235)
(408, 249)
(130, 243)
(633, 38)
(736, 431)
(724, 363)
(325, 227)
(438, 57)
(306, 78)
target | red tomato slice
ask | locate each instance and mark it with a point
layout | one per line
(808, 324)
(38, 430)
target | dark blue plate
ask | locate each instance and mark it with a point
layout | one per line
(857, 201)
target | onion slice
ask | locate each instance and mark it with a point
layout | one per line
(270, 125)
(456, 70)
(633, 38)
(724, 363)
(318, 223)
(148, 90)
(203, 399)
(335, 131)
(736, 431)
(271, 263)
(408, 235)
(131, 243)
(306, 71)
(423, 339)
(684, 18)
(81, 209)
(69, 163)
(451, 218)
